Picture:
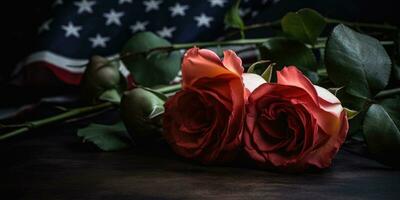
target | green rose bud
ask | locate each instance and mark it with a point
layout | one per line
(141, 111)
(102, 81)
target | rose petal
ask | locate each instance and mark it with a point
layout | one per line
(232, 62)
(236, 119)
(329, 102)
(200, 63)
(326, 113)
(322, 157)
(252, 81)
(249, 145)
(326, 95)
(293, 77)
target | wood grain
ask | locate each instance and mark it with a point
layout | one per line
(55, 164)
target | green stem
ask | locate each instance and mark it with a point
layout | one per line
(190, 45)
(76, 112)
(322, 44)
(169, 88)
(187, 46)
(328, 20)
(66, 115)
(388, 93)
(265, 24)
(361, 24)
(253, 26)
(219, 43)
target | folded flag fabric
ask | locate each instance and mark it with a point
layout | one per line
(82, 28)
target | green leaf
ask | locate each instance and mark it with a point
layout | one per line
(286, 52)
(155, 68)
(106, 137)
(111, 95)
(304, 25)
(158, 94)
(381, 131)
(232, 17)
(267, 74)
(356, 61)
(392, 106)
(253, 67)
(350, 113)
(352, 101)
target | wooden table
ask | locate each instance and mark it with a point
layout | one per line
(55, 164)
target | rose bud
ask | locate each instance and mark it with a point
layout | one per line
(204, 121)
(141, 112)
(293, 125)
(100, 76)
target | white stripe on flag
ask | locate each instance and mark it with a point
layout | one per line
(68, 64)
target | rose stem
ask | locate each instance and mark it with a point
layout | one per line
(187, 46)
(277, 23)
(219, 43)
(169, 88)
(173, 47)
(360, 24)
(387, 93)
(59, 117)
(76, 112)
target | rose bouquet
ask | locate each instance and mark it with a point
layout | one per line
(288, 112)
(220, 111)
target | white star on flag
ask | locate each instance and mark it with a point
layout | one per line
(113, 17)
(166, 32)
(203, 20)
(219, 3)
(45, 26)
(139, 26)
(71, 30)
(85, 5)
(178, 9)
(99, 41)
(152, 5)
(125, 1)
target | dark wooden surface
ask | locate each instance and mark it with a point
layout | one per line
(55, 164)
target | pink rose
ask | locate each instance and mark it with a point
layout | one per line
(292, 125)
(204, 121)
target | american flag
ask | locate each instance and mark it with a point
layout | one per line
(82, 28)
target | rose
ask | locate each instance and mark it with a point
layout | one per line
(141, 111)
(204, 121)
(293, 124)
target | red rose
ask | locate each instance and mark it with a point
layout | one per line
(204, 121)
(292, 125)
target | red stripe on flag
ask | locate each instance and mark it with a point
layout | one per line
(68, 77)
